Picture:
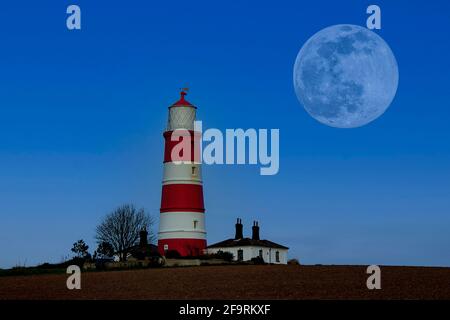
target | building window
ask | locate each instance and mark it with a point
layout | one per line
(240, 255)
(195, 224)
(194, 171)
(277, 256)
(260, 253)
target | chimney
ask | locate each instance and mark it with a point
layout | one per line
(239, 234)
(143, 238)
(255, 230)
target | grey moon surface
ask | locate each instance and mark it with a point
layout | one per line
(345, 76)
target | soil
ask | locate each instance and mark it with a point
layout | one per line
(236, 282)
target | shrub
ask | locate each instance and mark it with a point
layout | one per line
(293, 262)
(258, 260)
(74, 261)
(46, 265)
(173, 254)
(225, 255)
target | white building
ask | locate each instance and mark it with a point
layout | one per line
(244, 249)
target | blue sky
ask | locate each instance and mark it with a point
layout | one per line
(82, 114)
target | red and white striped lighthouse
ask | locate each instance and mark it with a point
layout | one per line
(182, 214)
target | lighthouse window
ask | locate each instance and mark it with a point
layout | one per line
(277, 256)
(195, 224)
(240, 255)
(194, 171)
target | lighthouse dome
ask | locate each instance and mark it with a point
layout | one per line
(182, 102)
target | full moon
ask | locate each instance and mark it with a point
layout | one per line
(345, 76)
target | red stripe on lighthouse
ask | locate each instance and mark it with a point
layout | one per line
(178, 138)
(185, 247)
(182, 197)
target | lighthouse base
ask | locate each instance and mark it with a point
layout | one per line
(184, 247)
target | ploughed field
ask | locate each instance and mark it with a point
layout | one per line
(236, 282)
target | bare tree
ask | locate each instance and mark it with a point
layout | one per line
(121, 228)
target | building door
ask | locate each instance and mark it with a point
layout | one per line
(240, 255)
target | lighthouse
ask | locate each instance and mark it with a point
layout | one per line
(182, 213)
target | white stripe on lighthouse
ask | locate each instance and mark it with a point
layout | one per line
(190, 225)
(183, 173)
